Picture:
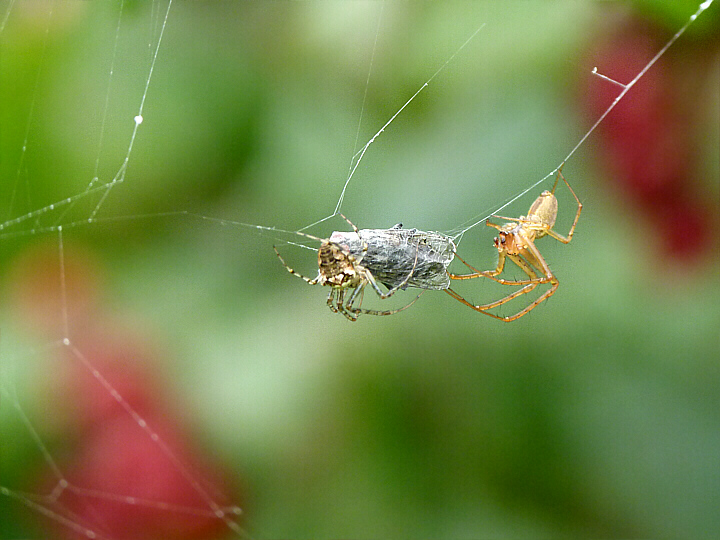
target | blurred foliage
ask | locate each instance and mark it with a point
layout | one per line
(596, 415)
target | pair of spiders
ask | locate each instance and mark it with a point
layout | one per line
(400, 258)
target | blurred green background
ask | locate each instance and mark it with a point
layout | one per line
(596, 415)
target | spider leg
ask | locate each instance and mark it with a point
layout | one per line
(293, 272)
(548, 277)
(535, 260)
(557, 236)
(331, 300)
(359, 310)
(521, 219)
(494, 225)
(353, 225)
(524, 265)
(482, 308)
(356, 311)
(360, 290)
(478, 273)
(340, 306)
(309, 236)
(363, 242)
(335, 302)
(547, 294)
(528, 285)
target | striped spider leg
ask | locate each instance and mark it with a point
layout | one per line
(343, 271)
(516, 241)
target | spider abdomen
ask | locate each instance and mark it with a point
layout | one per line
(544, 210)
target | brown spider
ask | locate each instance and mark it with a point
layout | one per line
(516, 241)
(339, 269)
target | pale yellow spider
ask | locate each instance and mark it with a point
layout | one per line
(516, 241)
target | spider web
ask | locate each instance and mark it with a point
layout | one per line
(84, 208)
(59, 502)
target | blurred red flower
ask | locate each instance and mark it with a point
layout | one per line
(650, 144)
(116, 456)
(131, 469)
